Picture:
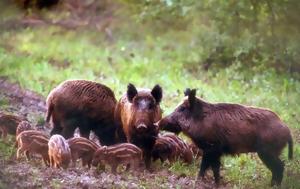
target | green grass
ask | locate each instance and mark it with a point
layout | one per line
(40, 58)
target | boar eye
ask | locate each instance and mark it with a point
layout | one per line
(181, 109)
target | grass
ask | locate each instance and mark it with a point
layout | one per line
(40, 58)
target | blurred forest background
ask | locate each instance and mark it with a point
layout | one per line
(232, 51)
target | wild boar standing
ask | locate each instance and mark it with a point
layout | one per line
(84, 104)
(59, 152)
(123, 153)
(84, 149)
(9, 124)
(23, 126)
(33, 141)
(230, 129)
(170, 147)
(136, 113)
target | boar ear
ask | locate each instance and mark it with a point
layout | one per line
(187, 92)
(131, 92)
(192, 97)
(157, 93)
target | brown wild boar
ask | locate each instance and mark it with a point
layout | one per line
(136, 113)
(230, 129)
(59, 152)
(184, 151)
(23, 126)
(8, 124)
(33, 141)
(170, 147)
(84, 104)
(84, 149)
(124, 153)
(165, 149)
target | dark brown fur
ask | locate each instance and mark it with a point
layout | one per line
(33, 142)
(231, 129)
(135, 114)
(8, 124)
(84, 104)
(84, 149)
(124, 153)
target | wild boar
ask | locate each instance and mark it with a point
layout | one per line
(223, 128)
(23, 126)
(8, 124)
(33, 141)
(84, 104)
(136, 113)
(184, 151)
(171, 147)
(84, 149)
(124, 153)
(165, 149)
(59, 152)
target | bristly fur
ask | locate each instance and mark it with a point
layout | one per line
(84, 104)
(224, 128)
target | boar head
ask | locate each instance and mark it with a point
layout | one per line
(145, 107)
(99, 155)
(185, 114)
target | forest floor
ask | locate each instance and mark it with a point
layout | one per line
(33, 174)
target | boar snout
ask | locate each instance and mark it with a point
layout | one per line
(95, 163)
(168, 125)
(141, 127)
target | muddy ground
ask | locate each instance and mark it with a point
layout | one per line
(33, 174)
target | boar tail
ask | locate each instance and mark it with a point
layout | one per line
(49, 112)
(290, 143)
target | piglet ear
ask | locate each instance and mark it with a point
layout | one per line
(157, 93)
(192, 97)
(131, 92)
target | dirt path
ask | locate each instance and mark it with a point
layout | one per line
(33, 174)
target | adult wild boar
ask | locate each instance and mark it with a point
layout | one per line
(136, 113)
(84, 104)
(230, 129)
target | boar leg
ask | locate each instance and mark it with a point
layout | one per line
(84, 132)
(205, 163)
(275, 165)
(114, 167)
(215, 165)
(57, 129)
(51, 161)
(74, 157)
(68, 129)
(27, 155)
(46, 160)
(19, 152)
(4, 134)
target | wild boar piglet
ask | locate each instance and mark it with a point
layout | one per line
(33, 141)
(59, 152)
(82, 148)
(119, 154)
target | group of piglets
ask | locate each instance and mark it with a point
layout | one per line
(129, 130)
